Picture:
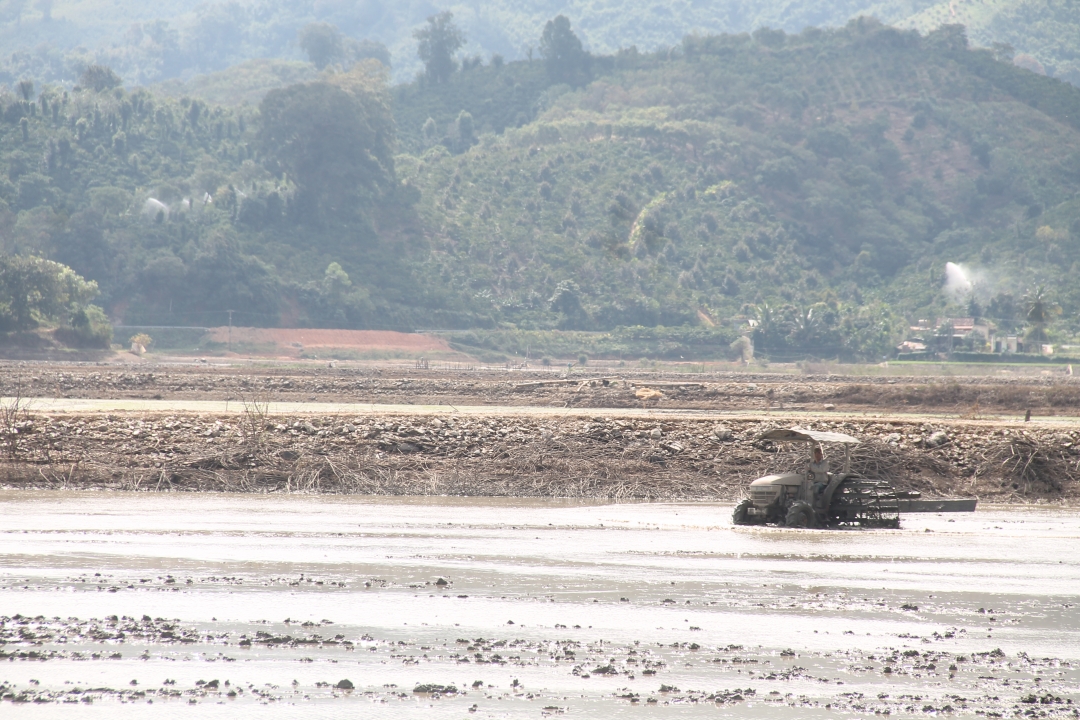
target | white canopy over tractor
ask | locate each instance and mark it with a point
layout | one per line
(829, 499)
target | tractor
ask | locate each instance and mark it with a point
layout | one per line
(831, 499)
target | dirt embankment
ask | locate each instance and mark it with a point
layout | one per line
(972, 396)
(287, 340)
(594, 457)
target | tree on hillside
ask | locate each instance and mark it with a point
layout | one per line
(567, 300)
(334, 138)
(325, 45)
(357, 50)
(322, 42)
(336, 282)
(464, 132)
(436, 44)
(564, 58)
(98, 78)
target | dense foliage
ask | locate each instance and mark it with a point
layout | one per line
(813, 186)
(34, 291)
(181, 211)
(1041, 35)
(804, 190)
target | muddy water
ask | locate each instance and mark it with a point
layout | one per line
(118, 605)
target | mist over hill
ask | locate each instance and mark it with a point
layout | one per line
(54, 40)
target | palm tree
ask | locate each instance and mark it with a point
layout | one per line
(765, 326)
(805, 326)
(1039, 310)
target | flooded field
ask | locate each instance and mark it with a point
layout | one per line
(161, 605)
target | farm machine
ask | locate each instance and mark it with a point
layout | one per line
(831, 499)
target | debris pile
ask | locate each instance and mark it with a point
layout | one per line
(523, 455)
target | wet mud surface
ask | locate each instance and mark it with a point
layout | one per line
(122, 604)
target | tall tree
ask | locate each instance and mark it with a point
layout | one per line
(436, 44)
(322, 42)
(334, 138)
(1040, 310)
(565, 59)
(767, 327)
(98, 78)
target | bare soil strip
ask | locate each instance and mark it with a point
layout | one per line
(970, 396)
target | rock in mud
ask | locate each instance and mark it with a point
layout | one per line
(937, 439)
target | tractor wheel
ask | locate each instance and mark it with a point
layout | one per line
(739, 515)
(800, 515)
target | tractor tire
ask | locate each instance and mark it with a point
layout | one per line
(739, 515)
(800, 515)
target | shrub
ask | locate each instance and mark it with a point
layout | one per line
(90, 328)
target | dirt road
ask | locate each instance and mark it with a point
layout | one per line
(583, 388)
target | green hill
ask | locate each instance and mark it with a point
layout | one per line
(814, 184)
(833, 172)
(1045, 34)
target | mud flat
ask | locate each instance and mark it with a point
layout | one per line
(288, 606)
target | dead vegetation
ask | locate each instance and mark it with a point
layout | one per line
(14, 421)
(1044, 463)
(520, 456)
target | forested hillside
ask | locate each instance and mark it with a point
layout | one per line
(813, 184)
(181, 211)
(54, 40)
(1041, 35)
(816, 183)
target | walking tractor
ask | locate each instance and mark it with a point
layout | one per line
(820, 498)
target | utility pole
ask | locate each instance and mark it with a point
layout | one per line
(230, 330)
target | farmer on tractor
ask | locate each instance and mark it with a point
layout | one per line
(820, 497)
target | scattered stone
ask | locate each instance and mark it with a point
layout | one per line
(721, 432)
(937, 438)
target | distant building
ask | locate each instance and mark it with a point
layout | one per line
(946, 334)
(1007, 344)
